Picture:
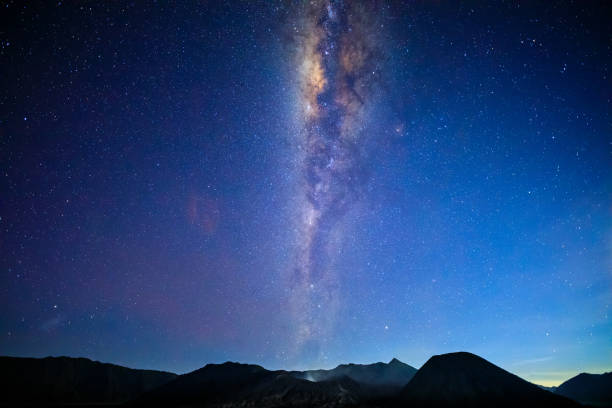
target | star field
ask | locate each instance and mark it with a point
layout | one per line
(301, 185)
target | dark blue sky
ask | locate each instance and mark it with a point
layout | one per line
(158, 162)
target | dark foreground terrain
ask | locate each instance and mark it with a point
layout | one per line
(448, 380)
(70, 381)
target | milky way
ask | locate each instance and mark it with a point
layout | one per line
(338, 66)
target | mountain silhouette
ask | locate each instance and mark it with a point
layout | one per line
(465, 380)
(449, 380)
(395, 373)
(233, 384)
(66, 380)
(591, 389)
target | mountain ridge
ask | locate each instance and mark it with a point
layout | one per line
(73, 380)
(592, 389)
(394, 373)
(446, 380)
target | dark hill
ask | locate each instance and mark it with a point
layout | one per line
(466, 380)
(65, 380)
(592, 389)
(233, 385)
(213, 383)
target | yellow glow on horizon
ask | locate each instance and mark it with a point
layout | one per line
(556, 378)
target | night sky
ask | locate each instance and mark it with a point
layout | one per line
(301, 185)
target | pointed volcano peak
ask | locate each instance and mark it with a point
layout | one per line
(395, 361)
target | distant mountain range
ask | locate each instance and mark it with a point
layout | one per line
(65, 380)
(448, 380)
(394, 373)
(378, 380)
(233, 385)
(589, 389)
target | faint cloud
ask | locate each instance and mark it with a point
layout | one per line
(532, 361)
